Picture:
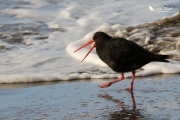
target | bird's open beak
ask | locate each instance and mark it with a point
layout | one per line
(89, 42)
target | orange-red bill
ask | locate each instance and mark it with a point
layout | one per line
(89, 42)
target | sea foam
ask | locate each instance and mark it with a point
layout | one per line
(38, 37)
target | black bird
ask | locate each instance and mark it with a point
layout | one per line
(121, 55)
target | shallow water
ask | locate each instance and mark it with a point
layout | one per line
(155, 97)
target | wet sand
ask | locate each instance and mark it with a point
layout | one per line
(154, 98)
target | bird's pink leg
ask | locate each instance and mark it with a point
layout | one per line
(132, 82)
(112, 82)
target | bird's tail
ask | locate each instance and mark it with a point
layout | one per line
(162, 58)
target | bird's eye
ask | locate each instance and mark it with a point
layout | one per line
(97, 37)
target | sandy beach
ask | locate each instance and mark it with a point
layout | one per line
(154, 98)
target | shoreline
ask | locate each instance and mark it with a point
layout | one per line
(155, 97)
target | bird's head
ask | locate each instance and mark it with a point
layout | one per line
(98, 38)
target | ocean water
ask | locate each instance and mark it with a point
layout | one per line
(38, 37)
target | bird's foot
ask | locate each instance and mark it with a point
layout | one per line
(129, 89)
(105, 85)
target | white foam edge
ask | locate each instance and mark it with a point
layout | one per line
(149, 69)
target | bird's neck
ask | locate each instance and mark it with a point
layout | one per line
(101, 45)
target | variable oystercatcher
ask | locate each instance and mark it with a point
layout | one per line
(121, 55)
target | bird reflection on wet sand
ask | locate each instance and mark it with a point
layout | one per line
(126, 112)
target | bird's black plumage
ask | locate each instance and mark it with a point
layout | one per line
(122, 55)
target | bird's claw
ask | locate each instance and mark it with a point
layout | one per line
(129, 89)
(105, 85)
